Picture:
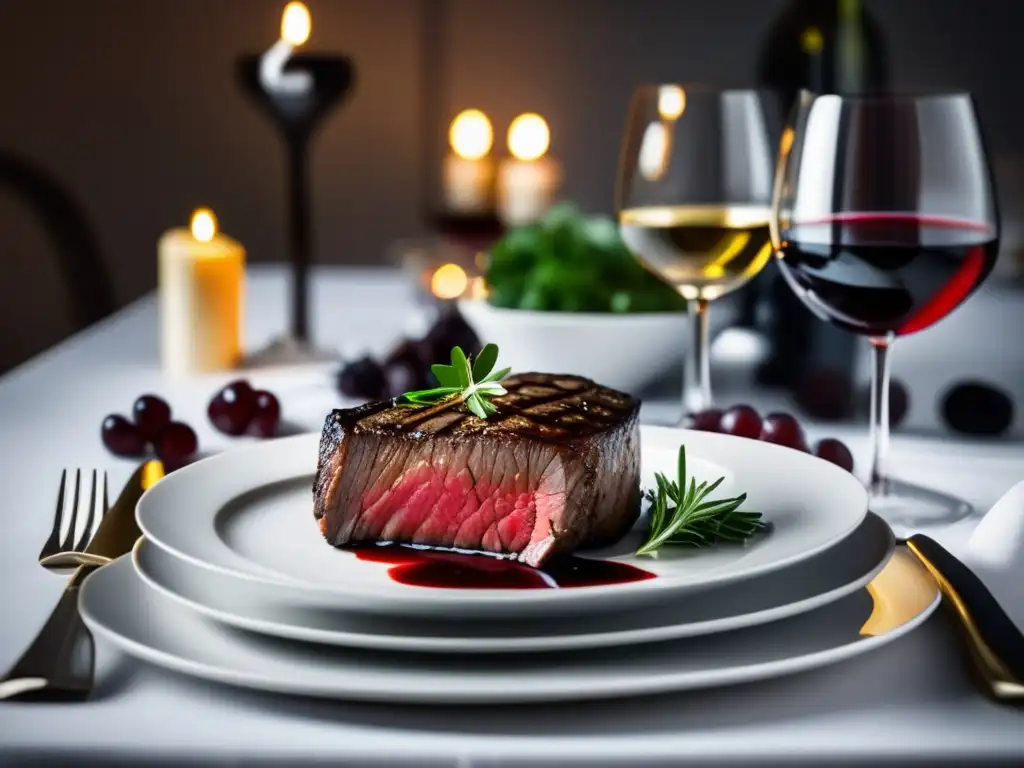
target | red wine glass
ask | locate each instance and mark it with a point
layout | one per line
(884, 221)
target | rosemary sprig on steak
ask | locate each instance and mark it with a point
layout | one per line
(680, 515)
(472, 382)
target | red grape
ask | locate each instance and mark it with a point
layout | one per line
(121, 437)
(833, 450)
(742, 421)
(899, 402)
(825, 395)
(177, 445)
(405, 370)
(151, 415)
(231, 409)
(783, 429)
(410, 352)
(362, 378)
(705, 421)
(267, 414)
(402, 378)
(451, 330)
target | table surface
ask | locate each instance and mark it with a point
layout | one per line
(910, 699)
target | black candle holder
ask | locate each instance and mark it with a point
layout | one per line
(297, 113)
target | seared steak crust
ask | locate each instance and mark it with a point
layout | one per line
(557, 468)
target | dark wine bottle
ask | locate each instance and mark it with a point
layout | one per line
(825, 46)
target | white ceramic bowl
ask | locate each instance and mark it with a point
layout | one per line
(626, 352)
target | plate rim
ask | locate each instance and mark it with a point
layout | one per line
(497, 598)
(593, 687)
(510, 646)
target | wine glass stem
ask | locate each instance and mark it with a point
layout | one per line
(697, 370)
(879, 482)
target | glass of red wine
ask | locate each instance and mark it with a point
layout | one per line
(884, 221)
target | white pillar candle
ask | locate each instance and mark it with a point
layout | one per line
(468, 185)
(201, 279)
(467, 175)
(526, 190)
(528, 181)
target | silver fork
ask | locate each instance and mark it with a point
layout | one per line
(56, 544)
(70, 669)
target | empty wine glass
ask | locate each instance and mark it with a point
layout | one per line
(694, 197)
(885, 220)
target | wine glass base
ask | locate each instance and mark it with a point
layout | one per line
(287, 351)
(908, 507)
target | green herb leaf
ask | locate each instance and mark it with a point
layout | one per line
(484, 362)
(431, 395)
(496, 376)
(445, 375)
(679, 514)
(476, 406)
(461, 366)
(472, 383)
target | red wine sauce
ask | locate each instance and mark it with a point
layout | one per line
(454, 570)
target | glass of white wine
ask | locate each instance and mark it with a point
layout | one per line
(693, 197)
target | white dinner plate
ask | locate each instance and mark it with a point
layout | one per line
(118, 606)
(249, 512)
(828, 576)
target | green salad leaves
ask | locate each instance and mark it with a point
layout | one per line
(568, 262)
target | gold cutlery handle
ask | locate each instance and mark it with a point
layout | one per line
(58, 665)
(995, 644)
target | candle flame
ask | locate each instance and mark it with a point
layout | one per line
(528, 137)
(204, 225)
(449, 281)
(295, 24)
(671, 102)
(470, 134)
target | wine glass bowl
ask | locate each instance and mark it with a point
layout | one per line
(884, 222)
(693, 198)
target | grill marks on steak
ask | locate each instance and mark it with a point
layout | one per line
(555, 469)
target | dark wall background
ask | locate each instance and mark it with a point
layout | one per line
(133, 106)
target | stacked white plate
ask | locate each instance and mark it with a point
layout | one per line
(234, 583)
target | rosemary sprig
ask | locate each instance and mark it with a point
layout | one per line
(680, 515)
(474, 384)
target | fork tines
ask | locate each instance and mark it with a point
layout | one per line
(84, 523)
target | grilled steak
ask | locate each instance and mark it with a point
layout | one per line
(555, 469)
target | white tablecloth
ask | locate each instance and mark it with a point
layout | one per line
(910, 700)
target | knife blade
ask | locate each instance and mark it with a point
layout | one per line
(58, 665)
(995, 643)
(118, 530)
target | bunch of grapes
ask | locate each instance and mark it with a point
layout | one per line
(150, 429)
(407, 367)
(780, 428)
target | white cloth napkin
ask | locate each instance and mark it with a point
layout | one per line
(995, 552)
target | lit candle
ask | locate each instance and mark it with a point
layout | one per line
(527, 181)
(201, 275)
(468, 173)
(295, 28)
(449, 282)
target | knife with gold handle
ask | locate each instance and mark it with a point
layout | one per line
(995, 644)
(58, 665)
